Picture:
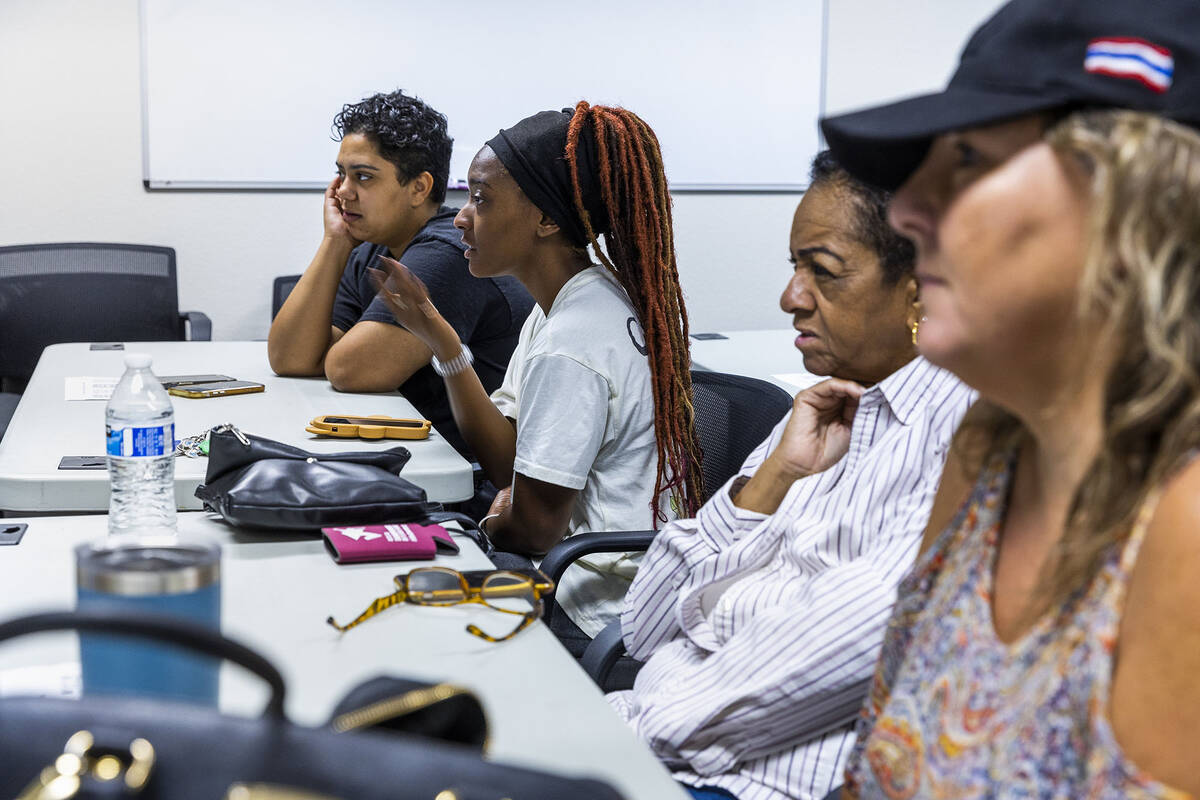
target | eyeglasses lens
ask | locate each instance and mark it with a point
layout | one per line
(507, 591)
(435, 587)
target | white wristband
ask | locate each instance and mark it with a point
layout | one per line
(458, 364)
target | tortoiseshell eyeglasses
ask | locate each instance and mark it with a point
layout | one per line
(511, 591)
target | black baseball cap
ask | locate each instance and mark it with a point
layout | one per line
(1031, 56)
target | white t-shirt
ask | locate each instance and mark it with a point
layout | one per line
(579, 387)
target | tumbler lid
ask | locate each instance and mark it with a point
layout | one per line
(147, 567)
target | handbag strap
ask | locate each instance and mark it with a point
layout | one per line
(470, 528)
(164, 629)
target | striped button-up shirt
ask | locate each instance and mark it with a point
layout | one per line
(760, 632)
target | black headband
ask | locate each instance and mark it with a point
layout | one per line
(534, 153)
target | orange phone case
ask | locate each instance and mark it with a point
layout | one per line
(383, 430)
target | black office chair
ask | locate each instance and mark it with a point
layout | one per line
(734, 414)
(86, 292)
(8, 404)
(279, 292)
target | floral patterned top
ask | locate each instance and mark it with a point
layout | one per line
(954, 712)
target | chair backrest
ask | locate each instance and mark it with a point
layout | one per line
(280, 291)
(83, 292)
(734, 414)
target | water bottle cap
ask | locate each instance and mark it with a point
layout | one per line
(138, 360)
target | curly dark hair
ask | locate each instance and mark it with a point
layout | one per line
(408, 133)
(897, 256)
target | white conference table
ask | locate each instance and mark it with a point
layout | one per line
(47, 427)
(542, 709)
(769, 355)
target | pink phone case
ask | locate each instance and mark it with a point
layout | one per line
(352, 544)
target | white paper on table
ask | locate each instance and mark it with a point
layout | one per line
(84, 388)
(801, 380)
(49, 680)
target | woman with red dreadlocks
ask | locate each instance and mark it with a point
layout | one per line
(592, 428)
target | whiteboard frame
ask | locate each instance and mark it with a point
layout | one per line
(151, 184)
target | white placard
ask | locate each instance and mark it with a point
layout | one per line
(88, 388)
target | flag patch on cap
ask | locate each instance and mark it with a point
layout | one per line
(1126, 57)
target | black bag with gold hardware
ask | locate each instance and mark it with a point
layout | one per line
(443, 711)
(260, 483)
(140, 748)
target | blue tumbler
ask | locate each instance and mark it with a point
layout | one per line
(166, 577)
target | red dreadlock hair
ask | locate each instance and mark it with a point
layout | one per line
(633, 188)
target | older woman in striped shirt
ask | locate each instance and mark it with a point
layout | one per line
(760, 620)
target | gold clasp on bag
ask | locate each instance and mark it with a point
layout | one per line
(62, 780)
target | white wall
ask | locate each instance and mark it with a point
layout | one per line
(70, 170)
(883, 49)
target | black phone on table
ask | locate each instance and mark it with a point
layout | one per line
(171, 381)
(83, 462)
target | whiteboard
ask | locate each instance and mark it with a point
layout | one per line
(241, 94)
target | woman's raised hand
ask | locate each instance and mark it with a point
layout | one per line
(816, 436)
(409, 302)
(818, 433)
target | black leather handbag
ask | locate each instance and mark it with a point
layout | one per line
(139, 748)
(254, 482)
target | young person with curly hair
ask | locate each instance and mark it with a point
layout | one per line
(592, 428)
(392, 169)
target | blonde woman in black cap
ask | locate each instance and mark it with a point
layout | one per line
(592, 427)
(1047, 642)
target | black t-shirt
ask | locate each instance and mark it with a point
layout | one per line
(487, 313)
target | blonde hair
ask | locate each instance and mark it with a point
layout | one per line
(1141, 280)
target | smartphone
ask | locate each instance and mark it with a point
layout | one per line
(381, 427)
(83, 462)
(171, 381)
(11, 533)
(216, 389)
(390, 422)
